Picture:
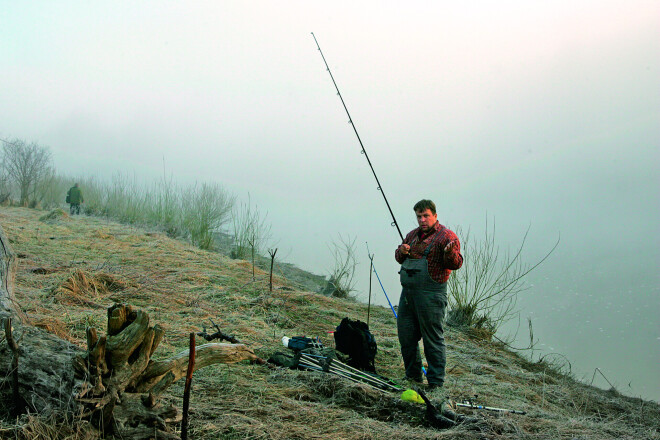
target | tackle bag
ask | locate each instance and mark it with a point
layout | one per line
(354, 339)
(298, 343)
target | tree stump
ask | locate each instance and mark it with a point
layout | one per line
(115, 383)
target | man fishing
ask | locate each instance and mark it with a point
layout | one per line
(427, 256)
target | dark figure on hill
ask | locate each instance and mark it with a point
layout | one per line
(427, 256)
(74, 198)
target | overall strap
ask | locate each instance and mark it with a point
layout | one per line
(428, 248)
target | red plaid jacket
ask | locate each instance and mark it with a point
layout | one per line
(440, 264)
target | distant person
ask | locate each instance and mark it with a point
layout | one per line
(427, 256)
(74, 198)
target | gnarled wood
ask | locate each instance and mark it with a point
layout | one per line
(205, 355)
(47, 380)
(121, 346)
(132, 413)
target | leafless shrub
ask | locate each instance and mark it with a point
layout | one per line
(483, 293)
(164, 203)
(205, 210)
(51, 190)
(341, 282)
(250, 229)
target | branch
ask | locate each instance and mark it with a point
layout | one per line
(205, 355)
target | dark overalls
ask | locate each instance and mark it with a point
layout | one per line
(421, 315)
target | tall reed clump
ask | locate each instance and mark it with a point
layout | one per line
(250, 230)
(52, 191)
(193, 211)
(163, 206)
(205, 209)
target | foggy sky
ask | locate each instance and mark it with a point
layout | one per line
(543, 114)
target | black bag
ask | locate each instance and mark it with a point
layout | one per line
(298, 343)
(68, 198)
(354, 339)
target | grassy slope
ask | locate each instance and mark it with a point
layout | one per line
(182, 287)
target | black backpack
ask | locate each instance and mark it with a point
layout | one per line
(354, 339)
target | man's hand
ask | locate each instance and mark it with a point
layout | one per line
(404, 249)
(449, 247)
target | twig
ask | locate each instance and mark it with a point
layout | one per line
(570, 367)
(601, 373)
(531, 345)
(219, 334)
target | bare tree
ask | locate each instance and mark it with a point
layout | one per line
(5, 190)
(26, 165)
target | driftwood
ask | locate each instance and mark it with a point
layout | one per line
(115, 383)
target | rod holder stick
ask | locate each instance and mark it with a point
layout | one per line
(371, 267)
(379, 282)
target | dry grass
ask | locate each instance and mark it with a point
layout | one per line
(55, 215)
(70, 271)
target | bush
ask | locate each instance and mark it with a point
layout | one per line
(483, 293)
(250, 231)
(51, 191)
(164, 205)
(341, 282)
(205, 210)
(195, 211)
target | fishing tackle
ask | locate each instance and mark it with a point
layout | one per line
(350, 121)
(467, 403)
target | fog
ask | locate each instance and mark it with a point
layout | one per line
(529, 114)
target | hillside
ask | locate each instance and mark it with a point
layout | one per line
(71, 269)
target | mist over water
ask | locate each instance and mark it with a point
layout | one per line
(544, 116)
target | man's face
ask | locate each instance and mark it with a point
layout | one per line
(426, 219)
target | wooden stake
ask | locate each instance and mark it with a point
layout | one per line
(272, 261)
(186, 391)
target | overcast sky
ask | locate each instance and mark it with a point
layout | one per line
(533, 113)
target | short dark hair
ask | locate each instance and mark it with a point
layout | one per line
(423, 205)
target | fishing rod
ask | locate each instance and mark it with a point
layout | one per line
(350, 121)
(471, 405)
(331, 365)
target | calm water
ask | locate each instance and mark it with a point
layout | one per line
(603, 317)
